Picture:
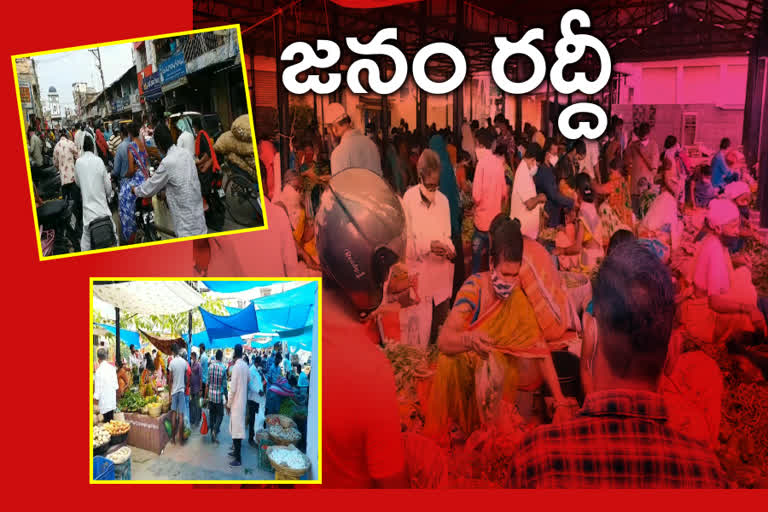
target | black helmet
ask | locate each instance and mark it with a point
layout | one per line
(360, 234)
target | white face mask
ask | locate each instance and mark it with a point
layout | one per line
(430, 195)
(644, 142)
(533, 168)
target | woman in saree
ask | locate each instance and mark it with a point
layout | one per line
(492, 320)
(147, 386)
(616, 210)
(722, 304)
(580, 245)
(138, 172)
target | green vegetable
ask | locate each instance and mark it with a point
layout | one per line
(131, 402)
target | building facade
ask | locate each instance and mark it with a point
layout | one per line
(29, 91)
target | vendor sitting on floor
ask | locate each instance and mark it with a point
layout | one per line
(578, 245)
(741, 195)
(491, 318)
(703, 190)
(722, 304)
(616, 210)
(662, 222)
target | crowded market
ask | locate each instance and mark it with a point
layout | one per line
(545, 306)
(205, 381)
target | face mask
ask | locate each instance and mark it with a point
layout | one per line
(644, 142)
(502, 289)
(498, 131)
(533, 169)
(427, 194)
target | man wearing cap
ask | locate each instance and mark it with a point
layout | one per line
(723, 306)
(526, 204)
(355, 150)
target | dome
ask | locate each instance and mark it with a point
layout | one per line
(51, 89)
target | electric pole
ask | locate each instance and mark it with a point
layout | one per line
(97, 53)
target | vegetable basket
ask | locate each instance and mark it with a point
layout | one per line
(285, 440)
(280, 419)
(284, 472)
(155, 409)
(101, 450)
(117, 439)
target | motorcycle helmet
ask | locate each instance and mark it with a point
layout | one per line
(360, 234)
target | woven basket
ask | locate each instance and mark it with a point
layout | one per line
(285, 442)
(280, 419)
(283, 472)
(155, 410)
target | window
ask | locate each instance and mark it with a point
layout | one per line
(689, 128)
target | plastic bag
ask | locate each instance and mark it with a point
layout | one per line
(204, 425)
(489, 383)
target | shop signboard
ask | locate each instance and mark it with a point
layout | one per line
(173, 68)
(25, 93)
(152, 87)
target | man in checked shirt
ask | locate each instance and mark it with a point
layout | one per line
(216, 392)
(620, 437)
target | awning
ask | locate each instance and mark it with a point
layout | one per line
(150, 297)
(305, 294)
(175, 84)
(126, 336)
(236, 286)
(240, 324)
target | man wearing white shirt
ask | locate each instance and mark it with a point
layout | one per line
(96, 189)
(526, 204)
(255, 392)
(105, 386)
(489, 191)
(430, 249)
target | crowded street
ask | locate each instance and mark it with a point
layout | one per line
(134, 160)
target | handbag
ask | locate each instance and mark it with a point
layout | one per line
(102, 233)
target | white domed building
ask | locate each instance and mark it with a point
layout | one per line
(53, 104)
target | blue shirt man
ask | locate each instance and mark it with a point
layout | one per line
(120, 168)
(721, 174)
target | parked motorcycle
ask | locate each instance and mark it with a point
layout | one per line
(47, 182)
(145, 221)
(57, 215)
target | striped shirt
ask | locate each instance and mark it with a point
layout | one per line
(217, 382)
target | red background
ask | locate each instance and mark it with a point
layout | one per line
(45, 359)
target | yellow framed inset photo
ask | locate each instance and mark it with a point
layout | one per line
(137, 142)
(214, 381)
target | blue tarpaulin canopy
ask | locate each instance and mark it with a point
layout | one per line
(126, 336)
(236, 286)
(289, 314)
(239, 324)
(305, 294)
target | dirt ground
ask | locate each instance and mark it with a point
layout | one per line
(200, 459)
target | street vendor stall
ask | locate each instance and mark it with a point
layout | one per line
(142, 419)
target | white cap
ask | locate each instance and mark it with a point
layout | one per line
(722, 211)
(736, 189)
(334, 113)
